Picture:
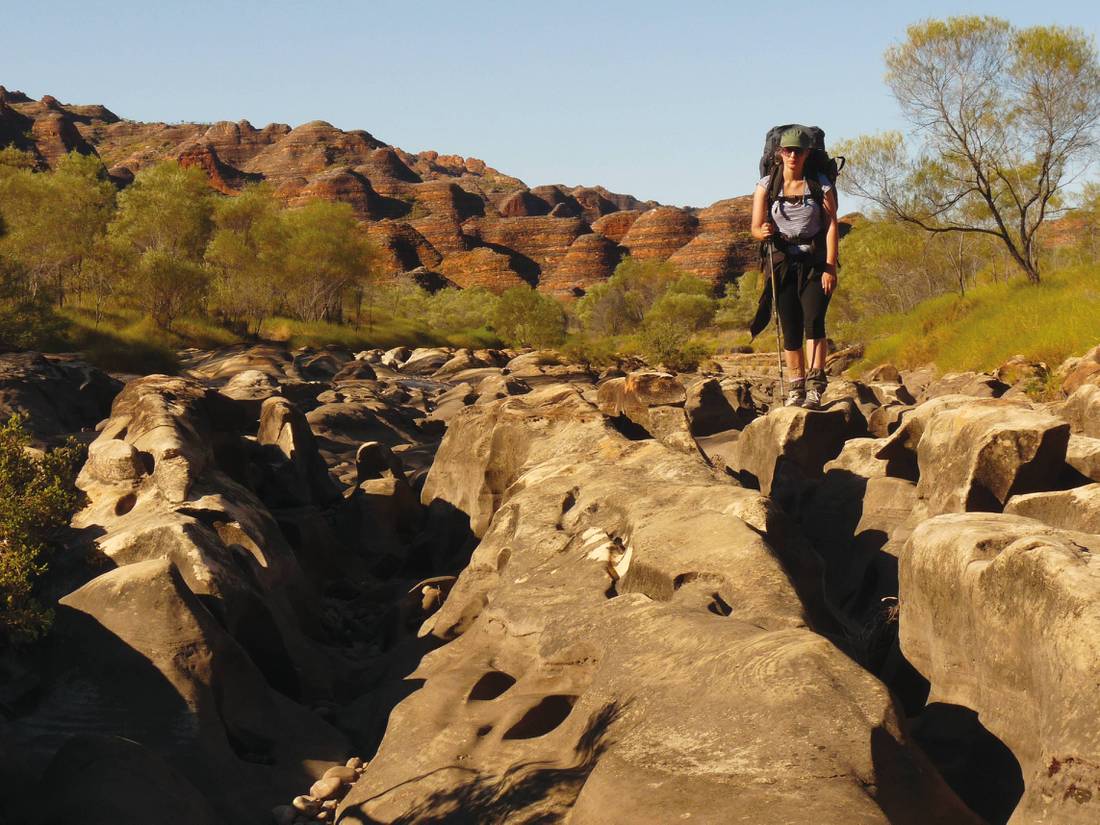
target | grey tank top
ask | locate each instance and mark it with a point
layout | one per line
(801, 219)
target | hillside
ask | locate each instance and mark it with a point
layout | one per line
(433, 214)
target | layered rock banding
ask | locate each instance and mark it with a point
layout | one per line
(424, 210)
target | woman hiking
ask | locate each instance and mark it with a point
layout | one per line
(803, 231)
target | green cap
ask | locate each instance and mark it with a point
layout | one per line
(796, 138)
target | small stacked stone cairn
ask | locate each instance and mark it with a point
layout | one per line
(319, 805)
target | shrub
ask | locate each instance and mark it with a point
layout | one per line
(690, 311)
(737, 308)
(670, 344)
(460, 310)
(37, 497)
(30, 325)
(590, 350)
(621, 304)
(526, 318)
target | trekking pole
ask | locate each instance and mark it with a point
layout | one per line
(775, 312)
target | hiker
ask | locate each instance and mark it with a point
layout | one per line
(803, 233)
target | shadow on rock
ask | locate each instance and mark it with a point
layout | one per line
(546, 790)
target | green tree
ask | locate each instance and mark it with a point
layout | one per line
(246, 254)
(620, 304)
(164, 221)
(25, 322)
(37, 497)
(54, 219)
(526, 318)
(1007, 117)
(327, 255)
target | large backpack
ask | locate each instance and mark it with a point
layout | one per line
(818, 163)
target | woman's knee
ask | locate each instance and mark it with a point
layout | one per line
(815, 327)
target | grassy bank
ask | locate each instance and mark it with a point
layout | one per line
(990, 324)
(128, 341)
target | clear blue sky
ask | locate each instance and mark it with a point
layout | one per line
(662, 100)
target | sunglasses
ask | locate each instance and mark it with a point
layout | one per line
(791, 150)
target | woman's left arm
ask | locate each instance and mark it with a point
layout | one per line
(832, 243)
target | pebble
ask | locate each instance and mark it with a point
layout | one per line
(283, 815)
(342, 773)
(354, 763)
(326, 788)
(324, 816)
(306, 805)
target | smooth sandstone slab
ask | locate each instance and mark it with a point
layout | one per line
(974, 457)
(631, 642)
(1002, 614)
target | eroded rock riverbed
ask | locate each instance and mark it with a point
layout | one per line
(457, 586)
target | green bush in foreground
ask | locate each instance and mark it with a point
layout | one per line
(37, 497)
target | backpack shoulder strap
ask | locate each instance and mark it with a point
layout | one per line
(775, 186)
(816, 191)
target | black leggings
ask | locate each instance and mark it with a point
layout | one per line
(801, 300)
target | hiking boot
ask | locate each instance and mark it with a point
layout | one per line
(797, 396)
(816, 382)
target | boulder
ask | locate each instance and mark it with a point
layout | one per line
(56, 396)
(296, 474)
(339, 428)
(215, 531)
(654, 402)
(975, 384)
(425, 360)
(1083, 455)
(974, 457)
(1082, 410)
(494, 387)
(357, 369)
(1084, 371)
(395, 357)
(1076, 509)
(883, 373)
(249, 389)
(779, 452)
(900, 448)
(977, 593)
(223, 364)
(860, 394)
(884, 420)
(462, 360)
(709, 411)
(108, 780)
(167, 420)
(487, 446)
(320, 365)
(635, 626)
(450, 402)
(173, 679)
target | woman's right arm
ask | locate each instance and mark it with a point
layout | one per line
(762, 228)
